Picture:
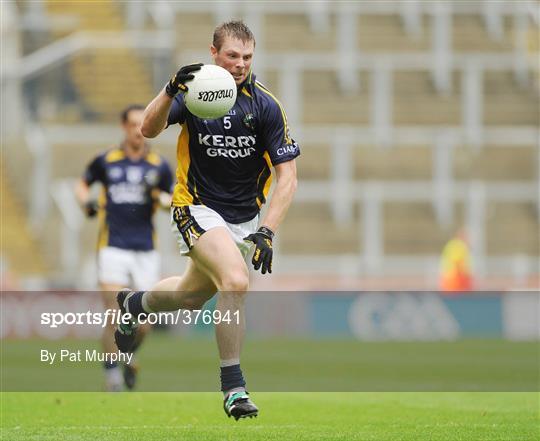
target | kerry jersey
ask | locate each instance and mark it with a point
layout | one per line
(226, 163)
(128, 186)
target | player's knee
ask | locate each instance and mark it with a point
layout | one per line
(235, 282)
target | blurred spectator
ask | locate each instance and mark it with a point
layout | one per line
(8, 279)
(455, 268)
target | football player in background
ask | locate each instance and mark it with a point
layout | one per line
(223, 178)
(135, 181)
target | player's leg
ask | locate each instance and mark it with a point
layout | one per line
(215, 264)
(218, 256)
(108, 297)
(211, 267)
(113, 375)
(144, 272)
(189, 291)
(113, 274)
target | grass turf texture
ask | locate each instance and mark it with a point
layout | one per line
(190, 365)
(284, 416)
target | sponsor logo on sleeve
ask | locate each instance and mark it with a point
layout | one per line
(288, 149)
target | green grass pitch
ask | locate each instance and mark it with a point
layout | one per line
(188, 366)
(284, 416)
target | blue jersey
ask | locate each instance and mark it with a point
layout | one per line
(129, 187)
(226, 163)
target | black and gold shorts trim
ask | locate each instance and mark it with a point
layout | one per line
(187, 226)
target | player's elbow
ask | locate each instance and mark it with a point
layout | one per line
(286, 177)
(150, 128)
(148, 131)
(81, 191)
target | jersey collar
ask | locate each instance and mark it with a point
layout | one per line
(247, 84)
(146, 151)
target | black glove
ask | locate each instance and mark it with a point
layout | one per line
(176, 83)
(91, 208)
(262, 256)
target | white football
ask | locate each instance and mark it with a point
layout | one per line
(212, 93)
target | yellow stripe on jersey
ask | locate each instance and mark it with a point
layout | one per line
(285, 125)
(115, 155)
(196, 194)
(269, 180)
(103, 235)
(181, 194)
(267, 183)
(153, 158)
(245, 92)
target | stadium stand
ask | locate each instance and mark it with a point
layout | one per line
(104, 78)
(20, 248)
(399, 148)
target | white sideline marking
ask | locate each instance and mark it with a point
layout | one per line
(180, 426)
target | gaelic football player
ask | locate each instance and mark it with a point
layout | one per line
(134, 180)
(223, 178)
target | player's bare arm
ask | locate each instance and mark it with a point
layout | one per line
(82, 194)
(156, 113)
(282, 196)
(163, 198)
(279, 204)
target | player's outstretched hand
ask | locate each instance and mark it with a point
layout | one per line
(91, 208)
(178, 80)
(262, 257)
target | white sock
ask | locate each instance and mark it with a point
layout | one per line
(230, 362)
(113, 378)
(144, 303)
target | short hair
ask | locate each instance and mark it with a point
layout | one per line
(234, 28)
(124, 115)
